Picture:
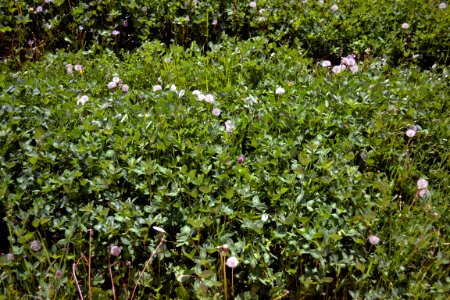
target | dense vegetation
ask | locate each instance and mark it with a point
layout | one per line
(300, 148)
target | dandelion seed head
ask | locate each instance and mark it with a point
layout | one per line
(422, 184)
(112, 85)
(232, 262)
(216, 112)
(373, 239)
(115, 250)
(410, 133)
(209, 98)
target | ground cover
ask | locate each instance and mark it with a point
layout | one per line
(238, 168)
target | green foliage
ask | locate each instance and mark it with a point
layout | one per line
(327, 163)
(365, 28)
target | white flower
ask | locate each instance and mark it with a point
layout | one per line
(125, 88)
(232, 262)
(424, 193)
(229, 126)
(167, 60)
(405, 26)
(201, 97)
(181, 93)
(373, 239)
(116, 79)
(115, 250)
(187, 18)
(159, 229)
(264, 217)
(38, 9)
(337, 69)
(48, 1)
(252, 4)
(326, 63)
(410, 133)
(83, 100)
(214, 22)
(112, 85)
(196, 92)
(349, 60)
(209, 98)
(157, 88)
(443, 5)
(144, 9)
(334, 7)
(354, 68)
(216, 111)
(320, 2)
(78, 68)
(69, 69)
(422, 184)
(115, 32)
(279, 91)
(173, 88)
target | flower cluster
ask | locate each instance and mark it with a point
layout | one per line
(373, 239)
(280, 90)
(201, 97)
(117, 82)
(348, 61)
(422, 188)
(78, 68)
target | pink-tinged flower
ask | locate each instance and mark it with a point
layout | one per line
(83, 100)
(443, 5)
(229, 126)
(115, 250)
(337, 69)
(334, 7)
(116, 79)
(157, 88)
(187, 18)
(36, 246)
(354, 68)
(216, 112)
(58, 274)
(423, 193)
(112, 85)
(373, 239)
(252, 4)
(69, 68)
(214, 22)
(201, 97)
(78, 68)
(422, 184)
(10, 256)
(48, 1)
(405, 26)
(144, 9)
(39, 9)
(115, 32)
(326, 63)
(410, 133)
(240, 159)
(196, 92)
(125, 88)
(232, 262)
(209, 98)
(280, 90)
(349, 60)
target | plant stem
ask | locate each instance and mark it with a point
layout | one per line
(145, 267)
